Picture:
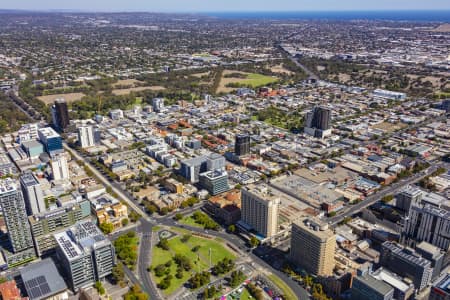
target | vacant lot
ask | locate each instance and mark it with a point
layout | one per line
(281, 70)
(120, 92)
(71, 97)
(389, 127)
(249, 79)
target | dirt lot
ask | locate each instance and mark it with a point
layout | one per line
(120, 92)
(389, 127)
(49, 99)
(281, 70)
(132, 82)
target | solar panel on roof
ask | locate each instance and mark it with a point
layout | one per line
(37, 287)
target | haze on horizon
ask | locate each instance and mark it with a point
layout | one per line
(225, 5)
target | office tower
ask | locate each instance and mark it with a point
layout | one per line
(215, 182)
(116, 114)
(407, 197)
(45, 225)
(242, 144)
(406, 263)
(60, 115)
(32, 194)
(367, 287)
(441, 290)
(60, 168)
(312, 246)
(158, 104)
(51, 140)
(427, 223)
(259, 209)
(434, 254)
(215, 161)
(403, 287)
(86, 136)
(85, 254)
(191, 168)
(318, 122)
(15, 215)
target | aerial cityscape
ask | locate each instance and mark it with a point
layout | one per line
(183, 150)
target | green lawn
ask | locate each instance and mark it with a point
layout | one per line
(190, 222)
(257, 80)
(287, 291)
(160, 256)
(246, 295)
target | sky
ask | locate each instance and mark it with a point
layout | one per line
(225, 5)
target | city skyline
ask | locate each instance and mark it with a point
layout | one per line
(229, 6)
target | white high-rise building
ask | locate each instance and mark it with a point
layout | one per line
(60, 168)
(28, 132)
(86, 136)
(32, 194)
(158, 104)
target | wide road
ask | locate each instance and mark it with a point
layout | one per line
(300, 65)
(390, 190)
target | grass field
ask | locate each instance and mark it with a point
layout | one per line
(245, 295)
(191, 222)
(200, 259)
(252, 79)
(287, 291)
(70, 97)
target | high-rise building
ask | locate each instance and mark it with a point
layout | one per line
(215, 161)
(446, 105)
(215, 182)
(15, 215)
(86, 136)
(191, 168)
(60, 168)
(434, 254)
(85, 254)
(242, 144)
(158, 104)
(32, 193)
(312, 246)
(407, 197)
(441, 290)
(259, 209)
(28, 132)
(406, 263)
(46, 224)
(427, 223)
(60, 115)
(318, 122)
(51, 140)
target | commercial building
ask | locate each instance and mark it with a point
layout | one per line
(403, 288)
(312, 246)
(109, 210)
(43, 281)
(226, 206)
(435, 255)
(60, 168)
(406, 263)
(51, 140)
(191, 168)
(259, 209)
(407, 197)
(427, 223)
(10, 291)
(215, 182)
(32, 194)
(85, 254)
(158, 104)
(33, 149)
(60, 115)
(242, 144)
(28, 132)
(385, 94)
(86, 136)
(366, 286)
(441, 290)
(45, 225)
(215, 161)
(318, 122)
(15, 215)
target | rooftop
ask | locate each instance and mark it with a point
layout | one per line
(315, 227)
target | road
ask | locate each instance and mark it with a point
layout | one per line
(300, 65)
(391, 189)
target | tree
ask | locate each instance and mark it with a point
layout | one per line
(163, 244)
(232, 228)
(106, 227)
(135, 293)
(387, 198)
(178, 217)
(254, 242)
(125, 222)
(99, 287)
(118, 273)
